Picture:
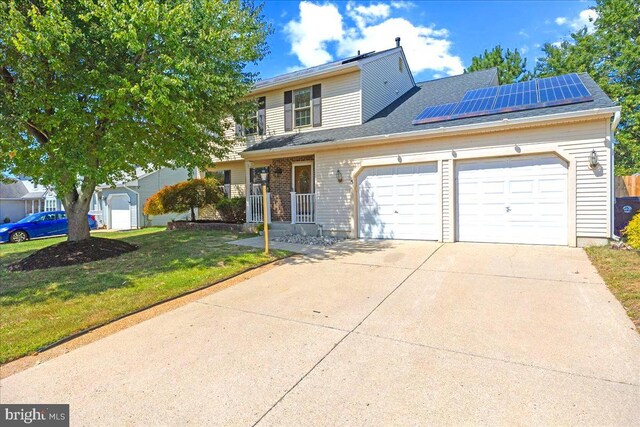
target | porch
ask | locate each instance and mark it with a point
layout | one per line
(291, 194)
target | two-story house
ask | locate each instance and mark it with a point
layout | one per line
(357, 148)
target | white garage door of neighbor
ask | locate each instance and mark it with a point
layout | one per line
(520, 200)
(119, 213)
(398, 202)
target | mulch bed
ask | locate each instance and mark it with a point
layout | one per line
(71, 253)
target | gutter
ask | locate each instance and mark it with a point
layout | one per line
(428, 133)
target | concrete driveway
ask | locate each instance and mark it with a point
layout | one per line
(369, 333)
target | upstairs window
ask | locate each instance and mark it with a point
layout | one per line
(302, 107)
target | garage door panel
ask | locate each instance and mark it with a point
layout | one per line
(520, 200)
(398, 202)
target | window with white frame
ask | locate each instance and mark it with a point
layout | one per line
(50, 205)
(302, 107)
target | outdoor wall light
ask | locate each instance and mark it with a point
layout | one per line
(277, 171)
(339, 175)
(593, 159)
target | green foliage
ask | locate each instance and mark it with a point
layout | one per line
(183, 197)
(632, 232)
(611, 55)
(260, 227)
(232, 209)
(6, 220)
(90, 90)
(512, 67)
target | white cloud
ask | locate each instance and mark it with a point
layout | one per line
(375, 29)
(317, 25)
(523, 33)
(524, 50)
(584, 18)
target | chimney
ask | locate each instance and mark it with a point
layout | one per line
(358, 52)
(397, 41)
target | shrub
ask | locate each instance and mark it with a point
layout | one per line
(232, 210)
(7, 220)
(184, 196)
(632, 231)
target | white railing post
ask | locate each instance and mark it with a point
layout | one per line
(294, 208)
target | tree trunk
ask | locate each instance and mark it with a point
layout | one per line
(76, 204)
(193, 214)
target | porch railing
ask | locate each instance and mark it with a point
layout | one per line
(303, 208)
(254, 208)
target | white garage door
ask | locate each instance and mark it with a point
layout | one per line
(520, 200)
(398, 202)
(119, 213)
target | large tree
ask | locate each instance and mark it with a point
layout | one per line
(611, 55)
(512, 67)
(92, 89)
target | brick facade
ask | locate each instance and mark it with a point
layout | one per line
(280, 185)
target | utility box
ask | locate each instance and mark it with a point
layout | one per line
(626, 208)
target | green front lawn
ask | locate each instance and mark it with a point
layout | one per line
(42, 306)
(621, 272)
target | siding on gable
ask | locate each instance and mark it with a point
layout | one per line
(151, 184)
(335, 201)
(383, 83)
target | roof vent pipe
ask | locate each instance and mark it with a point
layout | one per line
(397, 41)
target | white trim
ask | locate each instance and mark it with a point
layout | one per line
(430, 133)
(339, 69)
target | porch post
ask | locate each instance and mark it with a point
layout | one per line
(293, 207)
(247, 190)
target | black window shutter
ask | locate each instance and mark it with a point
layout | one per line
(239, 131)
(316, 92)
(262, 110)
(288, 111)
(227, 177)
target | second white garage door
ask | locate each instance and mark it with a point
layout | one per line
(521, 200)
(398, 202)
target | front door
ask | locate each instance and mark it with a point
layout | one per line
(302, 179)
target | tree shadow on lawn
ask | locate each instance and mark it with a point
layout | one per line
(158, 255)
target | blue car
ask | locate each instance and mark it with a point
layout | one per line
(42, 224)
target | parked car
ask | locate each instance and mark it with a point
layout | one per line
(42, 224)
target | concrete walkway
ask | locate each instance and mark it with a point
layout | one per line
(368, 333)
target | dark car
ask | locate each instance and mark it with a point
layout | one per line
(42, 224)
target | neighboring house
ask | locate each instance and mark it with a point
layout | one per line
(360, 149)
(120, 207)
(22, 197)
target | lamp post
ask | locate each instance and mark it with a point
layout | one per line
(263, 178)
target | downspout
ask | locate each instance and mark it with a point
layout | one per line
(614, 125)
(137, 204)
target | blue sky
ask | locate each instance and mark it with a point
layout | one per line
(439, 37)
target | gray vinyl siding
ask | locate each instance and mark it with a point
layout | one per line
(383, 83)
(12, 209)
(150, 184)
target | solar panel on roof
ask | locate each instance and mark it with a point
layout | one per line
(437, 112)
(560, 88)
(537, 93)
(516, 94)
